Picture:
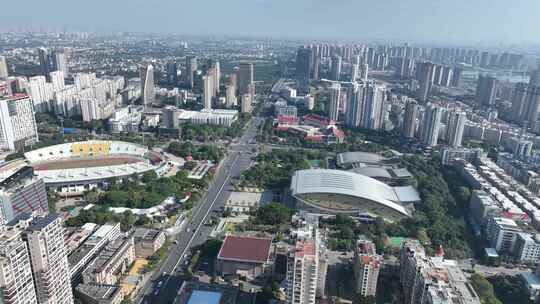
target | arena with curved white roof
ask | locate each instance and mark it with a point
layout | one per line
(78, 166)
(334, 191)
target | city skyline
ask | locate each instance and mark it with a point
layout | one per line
(422, 21)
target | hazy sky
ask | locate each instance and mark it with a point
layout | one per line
(419, 20)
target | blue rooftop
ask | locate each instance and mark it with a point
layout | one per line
(204, 297)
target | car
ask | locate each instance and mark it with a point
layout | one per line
(175, 242)
(164, 273)
(156, 292)
(159, 283)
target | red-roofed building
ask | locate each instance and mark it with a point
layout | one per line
(243, 255)
(318, 121)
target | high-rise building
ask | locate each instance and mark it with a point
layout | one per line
(374, 107)
(364, 72)
(22, 193)
(147, 84)
(208, 90)
(335, 97)
(217, 77)
(486, 90)
(430, 125)
(3, 68)
(534, 80)
(230, 98)
(302, 273)
(455, 127)
(247, 99)
(335, 73)
(172, 73)
(45, 240)
(170, 117)
(420, 277)
(59, 62)
(44, 62)
(41, 93)
(304, 66)
(316, 67)
(57, 80)
(191, 67)
(233, 81)
(425, 79)
(404, 69)
(366, 265)
(355, 102)
(456, 76)
(525, 104)
(410, 121)
(355, 71)
(16, 282)
(246, 75)
(17, 122)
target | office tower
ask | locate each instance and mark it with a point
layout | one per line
(430, 125)
(17, 123)
(44, 62)
(302, 273)
(45, 240)
(16, 282)
(410, 120)
(208, 91)
(486, 90)
(336, 68)
(247, 99)
(455, 127)
(170, 117)
(335, 97)
(230, 98)
(303, 67)
(245, 79)
(456, 76)
(41, 93)
(3, 68)
(57, 80)
(374, 107)
(484, 59)
(172, 73)
(366, 266)
(437, 74)
(191, 67)
(147, 84)
(355, 102)
(22, 193)
(364, 72)
(354, 72)
(425, 73)
(59, 62)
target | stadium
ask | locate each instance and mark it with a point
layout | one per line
(342, 192)
(72, 168)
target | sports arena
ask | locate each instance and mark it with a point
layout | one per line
(72, 168)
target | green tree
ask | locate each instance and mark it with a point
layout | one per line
(484, 289)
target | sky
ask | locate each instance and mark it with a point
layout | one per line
(470, 21)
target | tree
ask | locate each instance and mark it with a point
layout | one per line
(272, 214)
(484, 289)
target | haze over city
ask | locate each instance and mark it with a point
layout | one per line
(269, 152)
(472, 22)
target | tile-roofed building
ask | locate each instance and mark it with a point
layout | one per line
(244, 255)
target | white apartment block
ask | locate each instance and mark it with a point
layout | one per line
(45, 240)
(247, 99)
(302, 273)
(527, 248)
(502, 234)
(17, 122)
(16, 282)
(41, 93)
(366, 265)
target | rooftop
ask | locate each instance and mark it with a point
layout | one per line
(204, 297)
(99, 292)
(245, 249)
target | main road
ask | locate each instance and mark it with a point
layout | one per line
(165, 283)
